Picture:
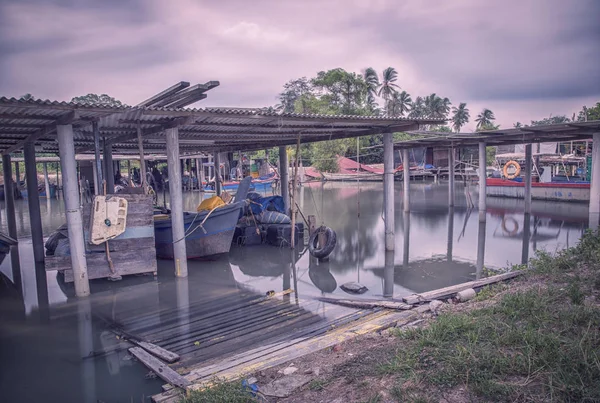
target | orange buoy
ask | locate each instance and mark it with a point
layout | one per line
(511, 169)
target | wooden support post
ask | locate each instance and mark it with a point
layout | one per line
(482, 180)
(129, 170)
(388, 191)
(293, 195)
(451, 177)
(406, 179)
(526, 235)
(9, 196)
(284, 178)
(528, 169)
(33, 200)
(199, 173)
(143, 181)
(217, 166)
(46, 181)
(312, 224)
(73, 210)
(406, 245)
(595, 184)
(58, 187)
(176, 199)
(108, 168)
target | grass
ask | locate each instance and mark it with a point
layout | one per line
(221, 392)
(541, 344)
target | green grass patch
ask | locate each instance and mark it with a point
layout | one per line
(221, 392)
(542, 344)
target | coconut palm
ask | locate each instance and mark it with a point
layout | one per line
(460, 116)
(418, 108)
(436, 107)
(388, 86)
(372, 81)
(400, 104)
(485, 119)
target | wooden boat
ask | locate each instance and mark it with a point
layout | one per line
(343, 177)
(5, 243)
(207, 233)
(557, 191)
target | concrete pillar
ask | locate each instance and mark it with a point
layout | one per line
(406, 246)
(388, 274)
(388, 191)
(143, 178)
(9, 197)
(284, 178)
(528, 168)
(73, 210)
(17, 175)
(98, 178)
(451, 176)
(595, 184)
(46, 181)
(482, 181)
(526, 235)
(97, 186)
(85, 332)
(176, 200)
(406, 179)
(480, 250)
(33, 200)
(199, 173)
(450, 247)
(218, 179)
(109, 168)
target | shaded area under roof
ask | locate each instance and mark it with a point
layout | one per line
(531, 134)
(204, 129)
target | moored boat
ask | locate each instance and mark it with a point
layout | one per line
(208, 233)
(5, 243)
(557, 191)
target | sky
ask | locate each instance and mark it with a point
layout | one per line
(523, 59)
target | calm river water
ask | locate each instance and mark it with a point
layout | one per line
(49, 351)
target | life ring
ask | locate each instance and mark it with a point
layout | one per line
(515, 226)
(514, 174)
(324, 250)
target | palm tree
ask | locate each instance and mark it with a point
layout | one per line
(518, 125)
(484, 119)
(372, 81)
(436, 107)
(418, 108)
(388, 86)
(460, 116)
(400, 103)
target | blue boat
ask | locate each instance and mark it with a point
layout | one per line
(207, 233)
(260, 184)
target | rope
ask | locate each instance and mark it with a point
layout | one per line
(198, 226)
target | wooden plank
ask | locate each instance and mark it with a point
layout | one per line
(160, 368)
(367, 304)
(119, 245)
(158, 351)
(449, 292)
(234, 368)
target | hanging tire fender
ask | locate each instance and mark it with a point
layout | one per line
(324, 250)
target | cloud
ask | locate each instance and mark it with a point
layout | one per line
(518, 58)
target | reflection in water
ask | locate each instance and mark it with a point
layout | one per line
(433, 256)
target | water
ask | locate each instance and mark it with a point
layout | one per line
(45, 335)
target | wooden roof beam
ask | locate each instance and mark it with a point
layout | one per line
(164, 94)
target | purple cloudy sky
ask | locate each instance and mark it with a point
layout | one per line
(524, 59)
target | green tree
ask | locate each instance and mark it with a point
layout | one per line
(345, 92)
(518, 125)
(592, 113)
(95, 99)
(27, 97)
(418, 108)
(484, 119)
(292, 91)
(460, 116)
(551, 120)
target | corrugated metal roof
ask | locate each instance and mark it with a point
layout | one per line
(212, 128)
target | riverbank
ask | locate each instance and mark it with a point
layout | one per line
(535, 339)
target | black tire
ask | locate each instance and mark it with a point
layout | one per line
(322, 253)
